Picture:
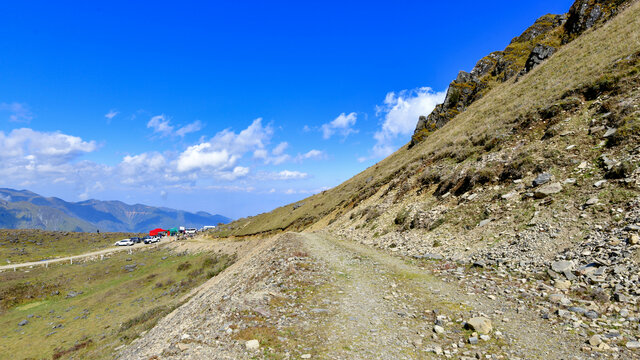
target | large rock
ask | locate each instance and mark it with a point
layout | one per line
(584, 14)
(562, 266)
(547, 190)
(480, 324)
(539, 54)
(542, 179)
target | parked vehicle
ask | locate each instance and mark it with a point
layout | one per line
(190, 231)
(136, 239)
(151, 239)
(124, 242)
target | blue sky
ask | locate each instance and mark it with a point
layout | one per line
(231, 108)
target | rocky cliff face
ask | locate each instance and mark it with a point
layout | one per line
(525, 52)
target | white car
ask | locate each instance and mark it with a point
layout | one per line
(124, 242)
(190, 231)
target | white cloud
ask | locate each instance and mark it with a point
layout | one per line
(111, 114)
(260, 154)
(224, 150)
(46, 147)
(311, 154)
(232, 188)
(160, 125)
(291, 175)
(343, 125)
(279, 150)
(142, 168)
(400, 112)
(189, 128)
(238, 172)
(18, 112)
(203, 156)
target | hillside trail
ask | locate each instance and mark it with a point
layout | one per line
(353, 302)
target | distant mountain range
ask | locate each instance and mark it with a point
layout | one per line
(23, 209)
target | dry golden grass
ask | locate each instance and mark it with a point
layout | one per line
(493, 117)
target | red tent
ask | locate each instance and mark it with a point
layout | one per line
(155, 232)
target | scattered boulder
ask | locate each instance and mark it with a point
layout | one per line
(599, 183)
(480, 324)
(562, 284)
(562, 266)
(252, 345)
(542, 179)
(73, 294)
(610, 132)
(547, 190)
(23, 322)
(539, 54)
(592, 201)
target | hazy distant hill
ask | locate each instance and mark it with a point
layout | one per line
(21, 209)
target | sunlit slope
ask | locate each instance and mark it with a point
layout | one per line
(499, 117)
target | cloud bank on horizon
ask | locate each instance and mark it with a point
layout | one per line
(220, 162)
(233, 109)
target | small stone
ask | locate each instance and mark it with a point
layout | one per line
(595, 340)
(562, 266)
(182, 346)
(583, 165)
(252, 345)
(438, 329)
(562, 284)
(604, 347)
(633, 345)
(599, 183)
(473, 340)
(610, 132)
(634, 239)
(23, 323)
(484, 222)
(591, 314)
(485, 337)
(305, 356)
(592, 201)
(577, 309)
(542, 179)
(547, 190)
(480, 324)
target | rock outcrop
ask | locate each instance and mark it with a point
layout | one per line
(536, 44)
(585, 14)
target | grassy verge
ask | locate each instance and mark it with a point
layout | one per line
(24, 245)
(89, 310)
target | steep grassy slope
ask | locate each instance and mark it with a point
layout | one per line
(506, 125)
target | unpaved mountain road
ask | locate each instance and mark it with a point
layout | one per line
(311, 295)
